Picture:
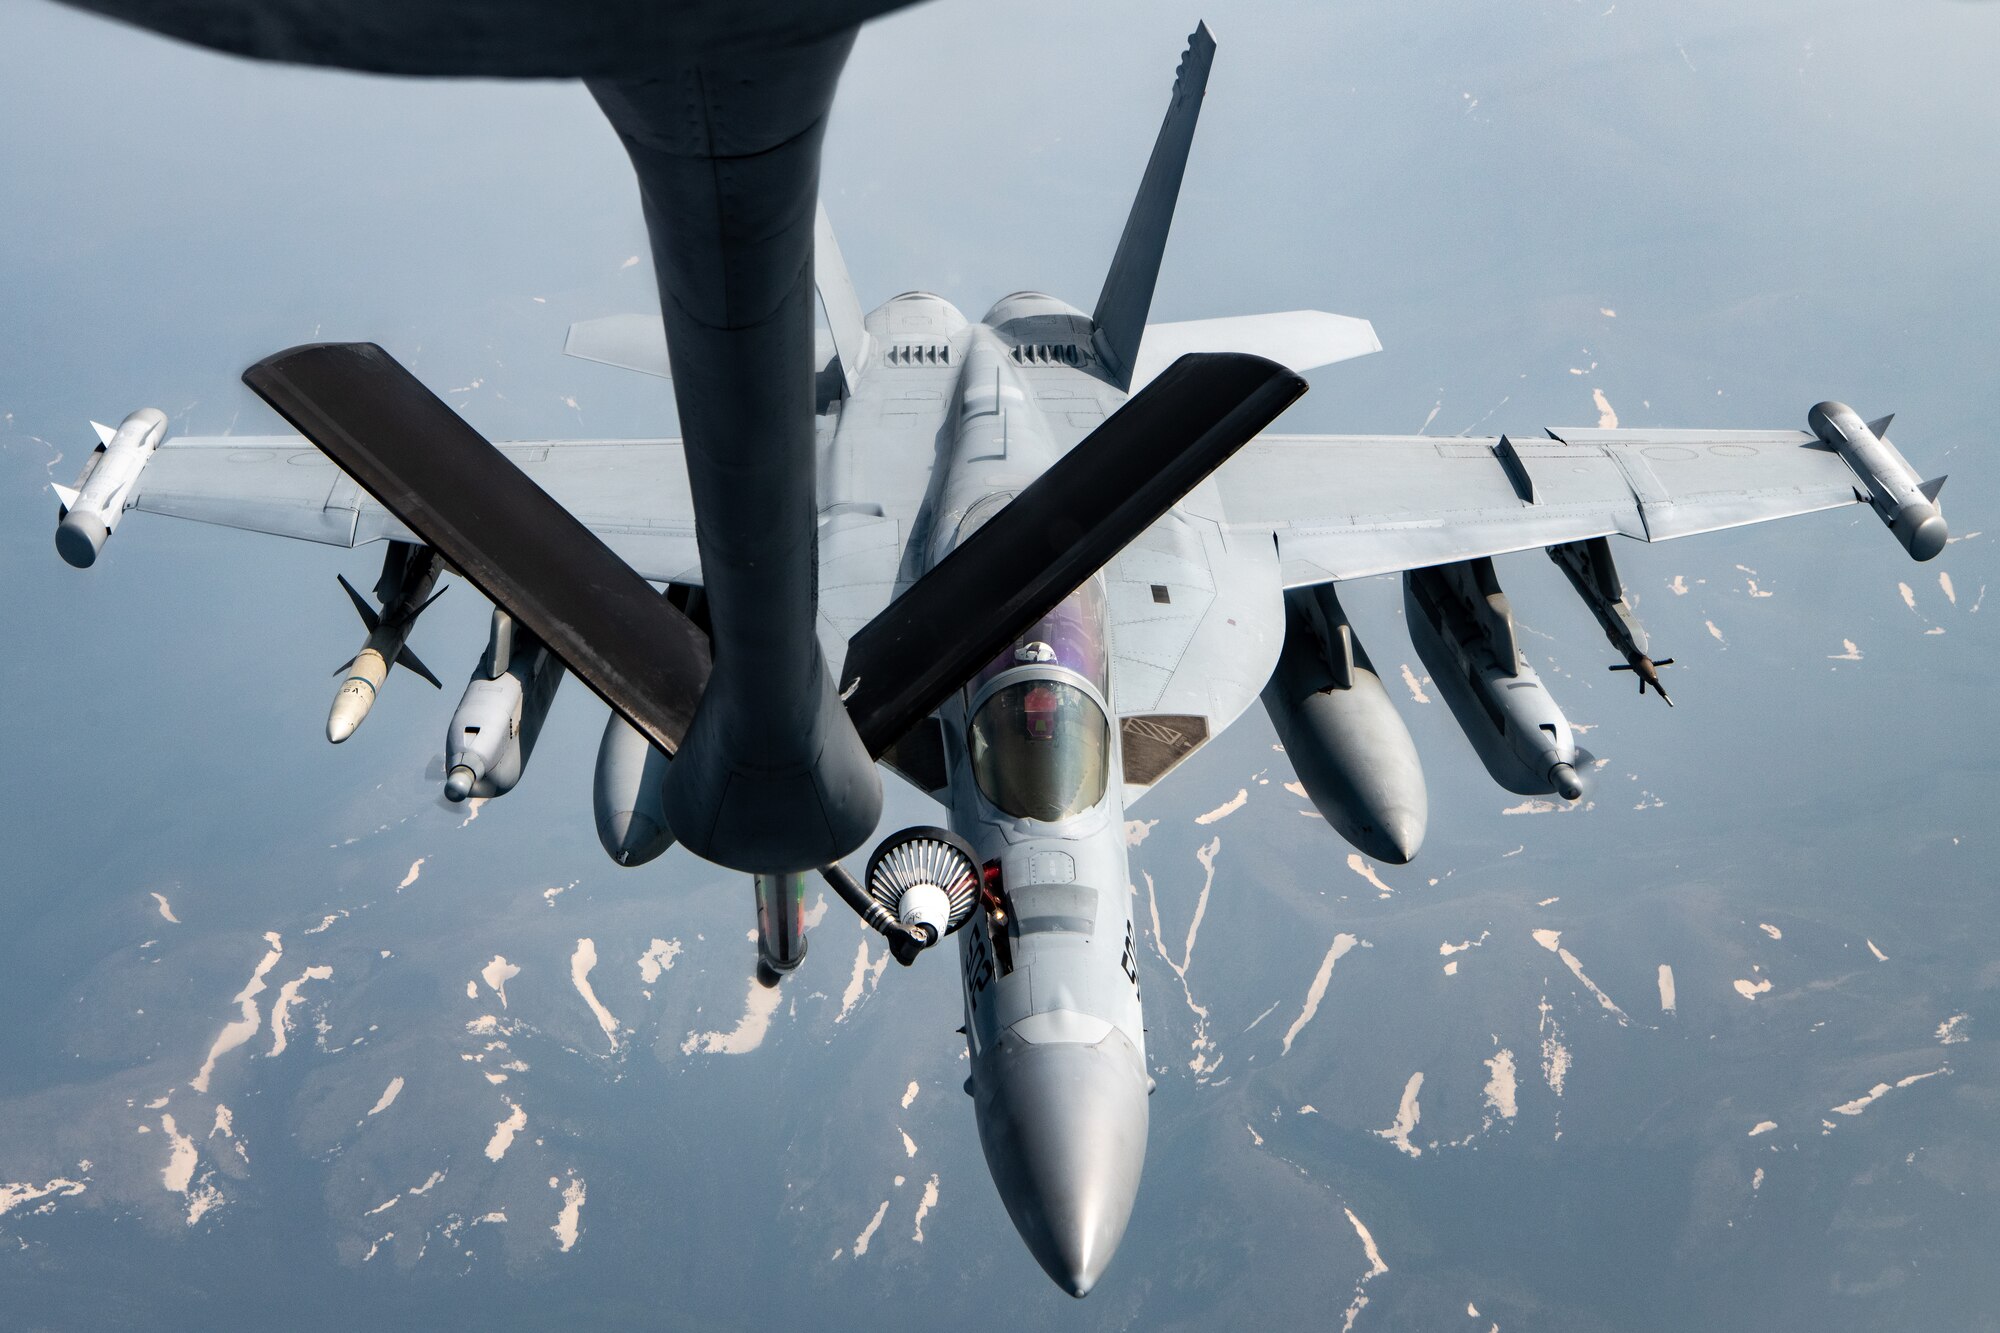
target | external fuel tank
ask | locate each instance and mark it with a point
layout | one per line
(1345, 739)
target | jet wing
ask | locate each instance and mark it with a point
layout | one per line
(1344, 507)
(632, 493)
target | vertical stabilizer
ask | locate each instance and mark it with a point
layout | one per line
(1135, 269)
(837, 299)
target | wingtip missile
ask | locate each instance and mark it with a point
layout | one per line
(107, 486)
(1906, 504)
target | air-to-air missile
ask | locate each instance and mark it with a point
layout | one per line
(1595, 578)
(497, 722)
(91, 509)
(1907, 505)
(1345, 739)
(1463, 630)
(404, 589)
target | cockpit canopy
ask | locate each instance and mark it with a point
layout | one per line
(1040, 743)
(1070, 637)
(1041, 749)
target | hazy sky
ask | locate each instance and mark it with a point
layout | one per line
(1693, 214)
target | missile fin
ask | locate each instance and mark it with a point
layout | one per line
(67, 494)
(410, 616)
(1930, 488)
(104, 432)
(406, 658)
(1880, 426)
(368, 616)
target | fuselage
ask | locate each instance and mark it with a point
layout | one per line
(1052, 1015)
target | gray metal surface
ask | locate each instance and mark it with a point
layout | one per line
(1343, 737)
(1344, 507)
(771, 775)
(1119, 321)
(489, 38)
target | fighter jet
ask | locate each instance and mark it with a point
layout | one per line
(1056, 553)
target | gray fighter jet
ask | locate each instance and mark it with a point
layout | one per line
(1056, 556)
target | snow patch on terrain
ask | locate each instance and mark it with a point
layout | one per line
(245, 1027)
(580, 964)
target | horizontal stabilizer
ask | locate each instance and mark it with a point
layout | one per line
(368, 616)
(1055, 534)
(1298, 339)
(1932, 488)
(408, 659)
(507, 536)
(630, 342)
(639, 342)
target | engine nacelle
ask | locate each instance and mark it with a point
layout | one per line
(1346, 741)
(626, 795)
(1906, 504)
(494, 730)
(1463, 629)
(91, 509)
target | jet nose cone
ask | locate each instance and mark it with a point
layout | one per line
(1064, 1129)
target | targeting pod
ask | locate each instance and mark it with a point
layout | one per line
(497, 722)
(91, 509)
(1463, 628)
(1907, 505)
